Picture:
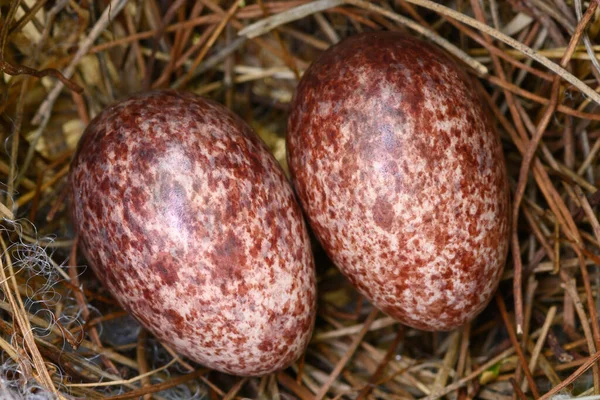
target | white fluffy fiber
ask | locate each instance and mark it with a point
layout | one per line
(21, 389)
(33, 256)
(563, 396)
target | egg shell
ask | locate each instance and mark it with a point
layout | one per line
(402, 177)
(192, 226)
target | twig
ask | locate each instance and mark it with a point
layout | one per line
(342, 363)
(16, 70)
(143, 368)
(159, 386)
(18, 311)
(540, 342)
(14, 149)
(230, 13)
(517, 389)
(85, 312)
(18, 25)
(350, 330)
(589, 212)
(235, 389)
(590, 158)
(540, 99)
(24, 199)
(590, 361)
(110, 12)
(566, 75)
(177, 357)
(472, 375)
(267, 24)
(160, 32)
(214, 60)
(366, 390)
(571, 288)
(125, 381)
(586, 39)
(448, 362)
(533, 144)
(429, 34)
(293, 386)
(517, 346)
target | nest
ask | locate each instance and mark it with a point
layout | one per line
(63, 336)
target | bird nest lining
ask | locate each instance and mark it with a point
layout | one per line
(535, 64)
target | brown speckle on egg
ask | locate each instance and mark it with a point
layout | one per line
(192, 226)
(402, 177)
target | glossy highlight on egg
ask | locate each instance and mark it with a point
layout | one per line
(191, 224)
(402, 177)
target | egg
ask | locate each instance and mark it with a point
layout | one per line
(192, 226)
(402, 177)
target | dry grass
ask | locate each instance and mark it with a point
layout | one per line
(535, 60)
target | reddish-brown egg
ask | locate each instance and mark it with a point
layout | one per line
(191, 224)
(402, 177)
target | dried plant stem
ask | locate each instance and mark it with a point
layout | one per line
(127, 381)
(351, 330)
(14, 149)
(549, 128)
(586, 39)
(181, 362)
(14, 70)
(539, 99)
(143, 368)
(585, 165)
(113, 355)
(209, 44)
(517, 389)
(589, 212)
(287, 57)
(429, 34)
(160, 386)
(462, 382)
(533, 144)
(65, 358)
(554, 200)
(342, 363)
(85, 312)
(366, 390)
(110, 12)
(27, 197)
(566, 75)
(267, 24)
(245, 13)
(580, 371)
(448, 362)
(571, 289)
(540, 342)
(50, 18)
(12, 353)
(302, 392)
(517, 281)
(160, 32)
(19, 313)
(517, 346)
(18, 25)
(235, 389)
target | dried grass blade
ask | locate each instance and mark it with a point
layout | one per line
(19, 314)
(566, 75)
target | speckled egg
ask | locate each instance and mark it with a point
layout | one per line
(402, 177)
(192, 226)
